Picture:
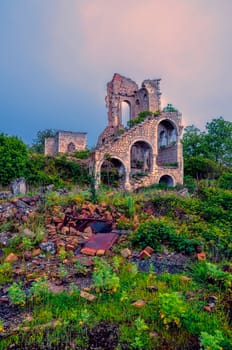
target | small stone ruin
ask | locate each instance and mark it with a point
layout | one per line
(65, 142)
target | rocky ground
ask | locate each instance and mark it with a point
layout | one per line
(60, 252)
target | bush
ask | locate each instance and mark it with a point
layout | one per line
(14, 157)
(141, 117)
(16, 294)
(171, 308)
(156, 232)
(152, 232)
(225, 181)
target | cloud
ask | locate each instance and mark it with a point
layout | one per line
(62, 53)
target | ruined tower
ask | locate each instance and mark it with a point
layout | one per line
(149, 151)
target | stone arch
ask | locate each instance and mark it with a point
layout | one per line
(112, 172)
(71, 147)
(166, 180)
(143, 98)
(141, 157)
(125, 112)
(167, 143)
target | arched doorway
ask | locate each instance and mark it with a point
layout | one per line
(140, 158)
(167, 144)
(71, 147)
(166, 180)
(125, 112)
(113, 172)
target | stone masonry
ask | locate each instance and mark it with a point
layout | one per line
(147, 153)
(65, 142)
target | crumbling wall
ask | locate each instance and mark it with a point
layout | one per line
(144, 156)
(65, 142)
(49, 145)
(121, 89)
(69, 142)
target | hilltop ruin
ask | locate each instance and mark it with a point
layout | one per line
(145, 153)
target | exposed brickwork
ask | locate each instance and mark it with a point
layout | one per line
(65, 142)
(151, 149)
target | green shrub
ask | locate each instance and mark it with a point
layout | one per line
(211, 342)
(39, 290)
(225, 181)
(140, 118)
(16, 294)
(82, 154)
(14, 157)
(6, 272)
(105, 280)
(153, 232)
(209, 273)
(171, 308)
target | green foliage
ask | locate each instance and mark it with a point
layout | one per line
(38, 143)
(170, 108)
(140, 334)
(152, 232)
(155, 232)
(193, 143)
(171, 308)
(225, 181)
(200, 167)
(209, 273)
(219, 140)
(27, 243)
(206, 153)
(6, 272)
(62, 271)
(105, 280)
(39, 290)
(14, 157)
(84, 154)
(59, 170)
(139, 119)
(211, 342)
(16, 294)
(189, 182)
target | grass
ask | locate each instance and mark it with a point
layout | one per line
(174, 312)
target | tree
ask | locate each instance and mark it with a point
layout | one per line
(202, 168)
(14, 156)
(38, 143)
(207, 154)
(219, 141)
(193, 142)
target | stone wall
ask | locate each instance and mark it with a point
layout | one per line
(65, 142)
(117, 146)
(167, 155)
(69, 142)
(49, 145)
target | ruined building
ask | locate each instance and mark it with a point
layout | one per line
(65, 142)
(147, 152)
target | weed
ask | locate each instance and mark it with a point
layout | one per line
(105, 280)
(171, 308)
(16, 294)
(39, 290)
(211, 342)
(140, 338)
(6, 272)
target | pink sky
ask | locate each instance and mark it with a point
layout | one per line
(78, 45)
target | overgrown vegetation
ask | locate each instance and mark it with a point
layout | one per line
(140, 118)
(127, 305)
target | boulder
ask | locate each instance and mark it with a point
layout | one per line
(18, 186)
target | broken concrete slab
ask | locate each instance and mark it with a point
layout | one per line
(101, 241)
